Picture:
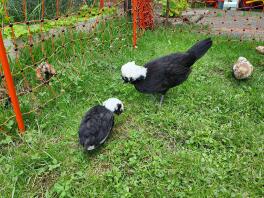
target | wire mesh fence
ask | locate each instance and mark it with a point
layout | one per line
(42, 48)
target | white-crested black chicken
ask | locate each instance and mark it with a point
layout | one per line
(159, 75)
(98, 122)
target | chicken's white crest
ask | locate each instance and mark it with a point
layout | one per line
(132, 72)
(113, 104)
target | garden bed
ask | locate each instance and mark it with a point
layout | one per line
(83, 22)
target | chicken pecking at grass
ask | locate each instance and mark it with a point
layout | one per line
(159, 75)
(98, 122)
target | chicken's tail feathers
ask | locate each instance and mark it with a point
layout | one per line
(200, 48)
(87, 141)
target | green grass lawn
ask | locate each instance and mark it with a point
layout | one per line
(206, 141)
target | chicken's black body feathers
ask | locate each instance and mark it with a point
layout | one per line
(95, 127)
(172, 70)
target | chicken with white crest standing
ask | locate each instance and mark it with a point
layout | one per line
(98, 123)
(160, 75)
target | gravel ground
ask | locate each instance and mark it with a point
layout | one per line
(244, 24)
(241, 24)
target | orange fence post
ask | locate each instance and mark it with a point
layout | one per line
(135, 14)
(101, 3)
(57, 8)
(10, 85)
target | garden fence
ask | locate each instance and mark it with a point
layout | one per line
(41, 50)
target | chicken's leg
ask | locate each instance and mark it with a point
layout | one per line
(161, 100)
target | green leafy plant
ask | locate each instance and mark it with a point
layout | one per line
(21, 30)
(175, 7)
(34, 8)
(3, 17)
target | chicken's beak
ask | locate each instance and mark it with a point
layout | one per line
(119, 113)
(125, 80)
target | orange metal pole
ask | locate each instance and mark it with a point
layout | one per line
(135, 14)
(10, 85)
(101, 3)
